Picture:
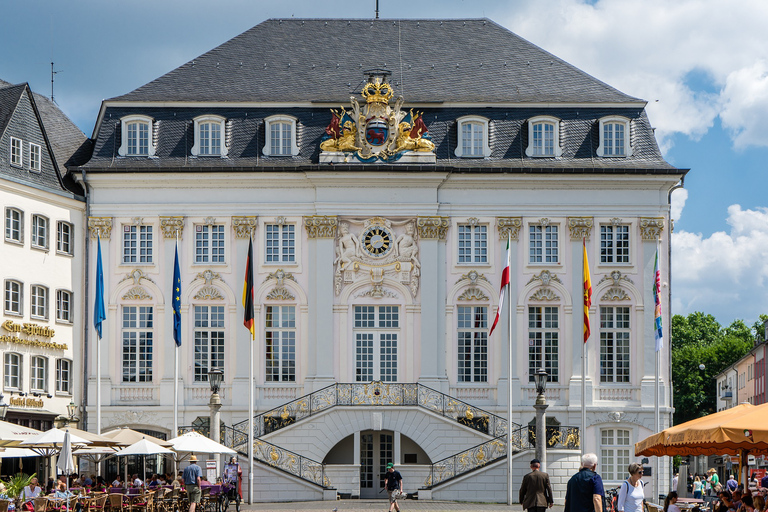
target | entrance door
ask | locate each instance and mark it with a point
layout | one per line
(376, 449)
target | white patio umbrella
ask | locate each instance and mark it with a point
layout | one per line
(143, 447)
(9, 453)
(49, 443)
(193, 442)
(65, 464)
(12, 434)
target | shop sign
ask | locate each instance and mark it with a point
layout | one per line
(36, 403)
(30, 329)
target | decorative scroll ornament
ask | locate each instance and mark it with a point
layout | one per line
(321, 226)
(137, 221)
(100, 227)
(544, 222)
(545, 277)
(280, 276)
(280, 293)
(509, 227)
(616, 221)
(473, 276)
(209, 221)
(651, 228)
(473, 221)
(617, 277)
(209, 293)
(208, 276)
(376, 131)
(545, 294)
(473, 294)
(433, 228)
(614, 294)
(244, 226)
(137, 293)
(581, 227)
(136, 275)
(378, 251)
(173, 227)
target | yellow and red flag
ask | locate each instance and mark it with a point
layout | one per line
(587, 293)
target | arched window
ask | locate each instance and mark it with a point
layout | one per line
(137, 137)
(210, 136)
(13, 297)
(544, 137)
(63, 376)
(614, 137)
(12, 371)
(14, 225)
(280, 135)
(39, 374)
(472, 137)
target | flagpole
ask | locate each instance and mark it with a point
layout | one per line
(176, 368)
(99, 318)
(509, 385)
(656, 416)
(586, 303)
(249, 263)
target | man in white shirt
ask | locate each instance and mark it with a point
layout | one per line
(674, 482)
(31, 491)
(137, 481)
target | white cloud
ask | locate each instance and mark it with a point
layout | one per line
(679, 197)
(746, 105)
(726, 272)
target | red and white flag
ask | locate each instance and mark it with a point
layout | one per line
(504, 283)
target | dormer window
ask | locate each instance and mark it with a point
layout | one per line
(614, 137)
(473, 138)
(137, 137)
(210, 136)
(544, 137)
(280, 136)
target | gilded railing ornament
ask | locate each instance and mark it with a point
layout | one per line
(321, 226)
(433, 228)
(244, 226)
(509, 227)
(651, 228)
(173, 227)
(100, 227)
(581, 227)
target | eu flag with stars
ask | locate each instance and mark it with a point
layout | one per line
(176, 299)
(99, 313)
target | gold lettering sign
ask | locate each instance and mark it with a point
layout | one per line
(26, 402)
(30, 330)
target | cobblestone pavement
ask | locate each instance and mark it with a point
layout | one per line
(383, 506)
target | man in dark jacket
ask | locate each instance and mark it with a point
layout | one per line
(585, 489)
(535, 491)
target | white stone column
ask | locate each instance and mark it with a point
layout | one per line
(396, 449)
(508, 383)
(244, 228)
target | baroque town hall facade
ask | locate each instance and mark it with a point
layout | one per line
(380, 166)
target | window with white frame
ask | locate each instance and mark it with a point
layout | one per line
(34, 157)
(137, 244)
(39, 232)
(614, 344)
(473, 243)
(210, 136)
(138, 336)
(614, 453)
(209, 243)
(544, 137)
(614, 243)
(280, 343)
(14, 225)
(280, 243)
(16, 158)
(473, 137)
(209, 340)
(376, 330)
(64, 306)
(280, 135)
(614, 137)
(473, 343)
(39, 374)
(64, 237)
(13, 297)
(12, 371)
(543, 341)
(543, 243)
(137, 137)
(63, 376)
(39, 302)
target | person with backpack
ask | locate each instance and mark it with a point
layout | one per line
(632, 493)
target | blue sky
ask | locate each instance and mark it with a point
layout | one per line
(701, 65)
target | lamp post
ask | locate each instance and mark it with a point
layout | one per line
(215, 377)
(3, 407)
(540, 380)
(71, 410)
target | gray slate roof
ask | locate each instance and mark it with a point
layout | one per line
(474, 60)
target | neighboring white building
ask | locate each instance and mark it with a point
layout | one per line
(43, 263)
(379, 244)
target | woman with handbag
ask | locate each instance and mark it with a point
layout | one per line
(631, 493)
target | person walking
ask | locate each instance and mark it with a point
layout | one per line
(393, 481)
(192, 477)
(697, 487)
(585, 492)
(632, 492)
(714, 481)
(731, 483)
(535, 491)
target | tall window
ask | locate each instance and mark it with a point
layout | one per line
(63, 306)
(281, 243)
(137, 244)
(473, 343)
(12, 371)
(280, 335)
(14, 225)
(210, 138)
(209, 243)
(473, 244)
(280, 139)
(376, 332)
(137, 343)
(543, 137)
(39, 302)
(473, 137)
(34, 157)
(13, 297)
(543, 335)
(614, 344)
(209, 340)
(16, 158)
(614, 137)
(614, 244)
(138, 138)
(543, 245)
(614, 453)
(39, 232)
(39, 377)
(64, 237)
(63, 375)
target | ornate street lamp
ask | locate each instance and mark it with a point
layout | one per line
(215, 376)
(3, 407)
(540, 379)
(71, 410)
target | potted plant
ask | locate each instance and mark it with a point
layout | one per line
(15, 485)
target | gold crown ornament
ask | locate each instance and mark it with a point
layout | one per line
(377, 91)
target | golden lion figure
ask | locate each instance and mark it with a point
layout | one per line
(344, 143)
(405, 142)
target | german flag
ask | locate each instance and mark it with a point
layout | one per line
(248, 293)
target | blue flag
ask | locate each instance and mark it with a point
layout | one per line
(176, 294)
(99, 313)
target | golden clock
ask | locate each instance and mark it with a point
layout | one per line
(377, 241)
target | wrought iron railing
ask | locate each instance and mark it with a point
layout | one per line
(467, 460)
(291, 462)
(381, 394)
(558, 436)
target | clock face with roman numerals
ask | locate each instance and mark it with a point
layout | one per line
(377, 241)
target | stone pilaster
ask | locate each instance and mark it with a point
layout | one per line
(245, 226)
(173, 227)
(100, 227)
